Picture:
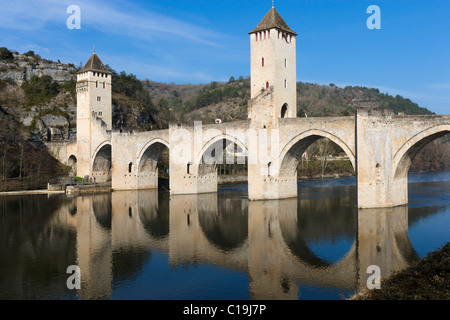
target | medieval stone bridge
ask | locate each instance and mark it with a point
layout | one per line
(379, 144)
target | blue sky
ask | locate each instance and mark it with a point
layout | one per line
(200, 41)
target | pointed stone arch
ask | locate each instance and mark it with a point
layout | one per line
(101, 165)
(293, 150)
(406, 153)
(147, 167)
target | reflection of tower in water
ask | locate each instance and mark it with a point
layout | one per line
(92, 220)
(383, 241)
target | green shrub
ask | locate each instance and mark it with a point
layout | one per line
(5, 54)
(39, 90)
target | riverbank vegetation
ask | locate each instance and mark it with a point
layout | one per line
(429, 279)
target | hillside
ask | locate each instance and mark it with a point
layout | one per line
(32, 87)
(228, 101)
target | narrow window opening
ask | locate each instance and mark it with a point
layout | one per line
(188, 168)
(96, 84)
(268, 168)
(130, 167)
(284, 110)
(262, 62)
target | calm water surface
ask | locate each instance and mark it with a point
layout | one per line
(147, 245)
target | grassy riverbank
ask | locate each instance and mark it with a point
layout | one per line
(428, 279)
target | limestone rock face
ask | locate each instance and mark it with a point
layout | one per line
(52, 120)
(23, 67)
(51, 128)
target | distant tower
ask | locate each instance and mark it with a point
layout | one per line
(273, 63)
(93, 102)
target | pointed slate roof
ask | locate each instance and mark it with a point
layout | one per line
(272, 20)
(94, 64)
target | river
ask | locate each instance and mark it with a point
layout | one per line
(148, 245)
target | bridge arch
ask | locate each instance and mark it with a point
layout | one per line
(101, 165)
(212, 143)
(293, 150)
(147, 167)
(72, 163)
(406, 153)
(207, 157)
(99, 147)
(150, 144)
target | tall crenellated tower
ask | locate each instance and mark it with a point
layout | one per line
(273, 64)
(273, 96)
(94, 109)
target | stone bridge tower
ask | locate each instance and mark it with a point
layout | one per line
(273, 97)
(94, 113)
(273, 67)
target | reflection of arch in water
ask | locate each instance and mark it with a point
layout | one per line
(101, 206)
(72, 207)
(128, 264)
(223, 221)
(316, 220)
(154, 213)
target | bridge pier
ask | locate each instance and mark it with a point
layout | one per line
(262, 186)
(186, 179)
(376, 182)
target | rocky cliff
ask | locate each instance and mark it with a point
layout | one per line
(24, 66)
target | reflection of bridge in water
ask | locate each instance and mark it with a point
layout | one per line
(268, 240)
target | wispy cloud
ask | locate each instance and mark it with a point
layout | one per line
(439, 86)
(123, 19)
